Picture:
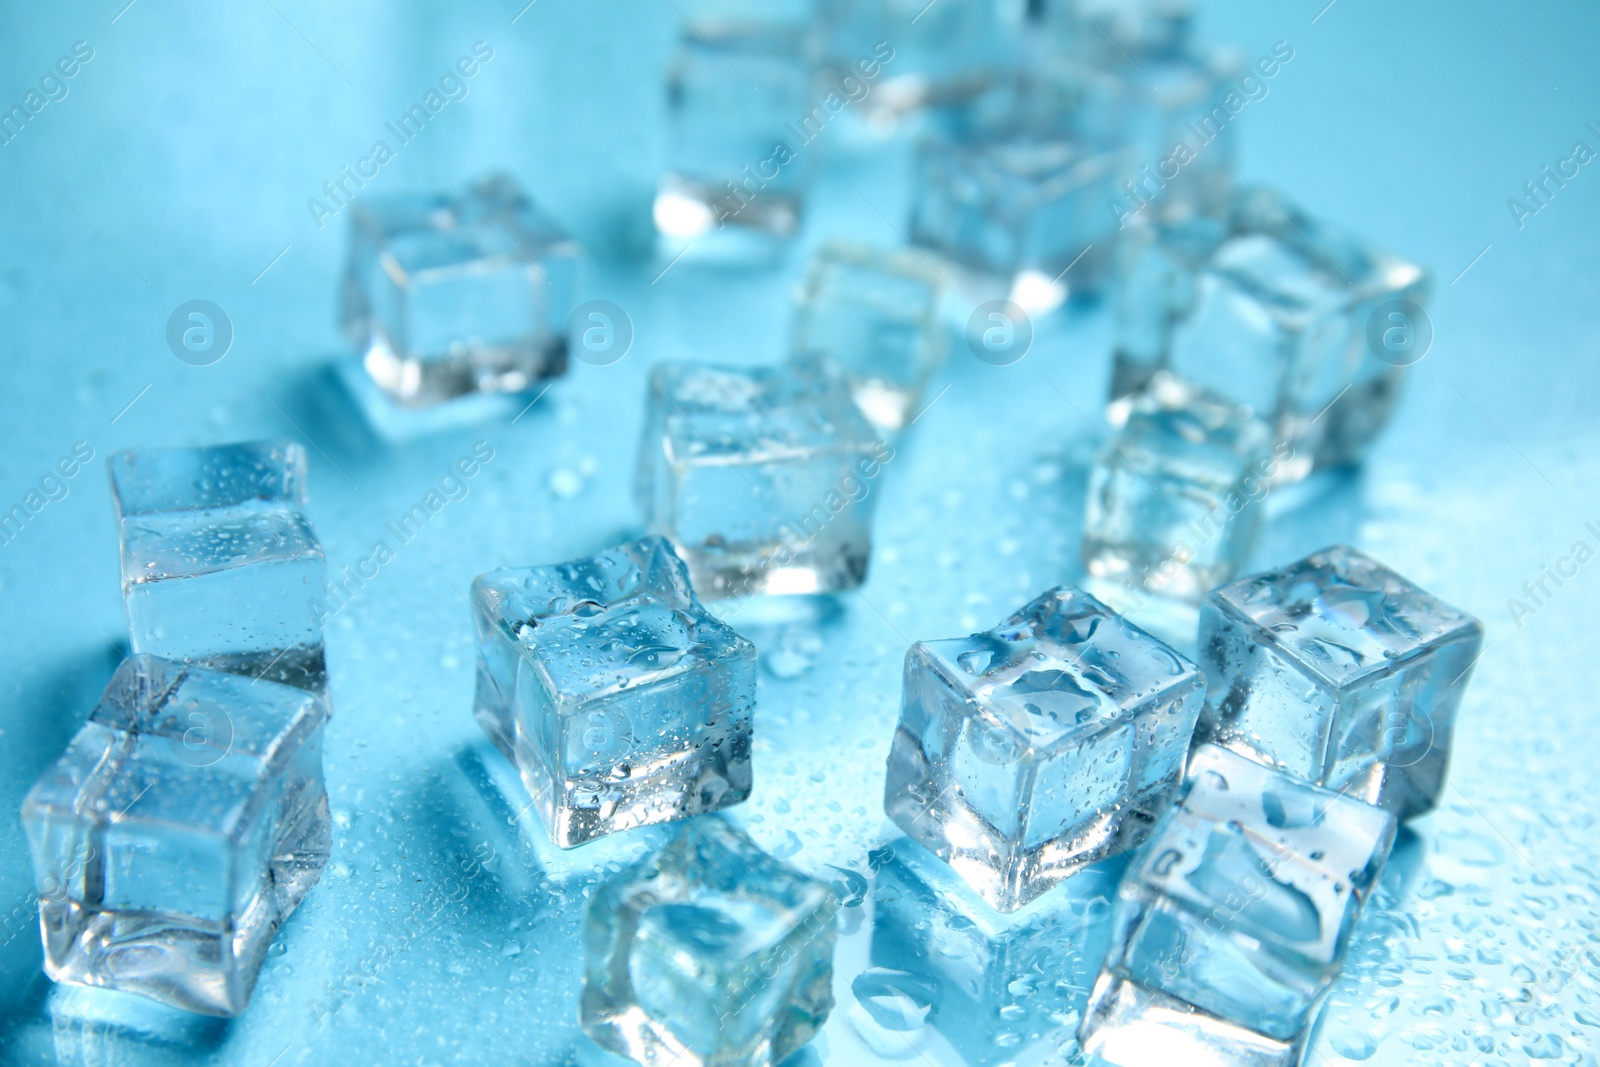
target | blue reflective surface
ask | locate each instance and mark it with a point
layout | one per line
(178, 166)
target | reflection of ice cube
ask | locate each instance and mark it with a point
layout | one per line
(764, 478)
(1025, 753)
(219, 564)
(1339, 671)
(183, 824)
(1233, 920)
(988, 985)
(620, 700)
(709, 952)
(90, 1027)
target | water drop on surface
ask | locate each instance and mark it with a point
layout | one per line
(1353, 1045)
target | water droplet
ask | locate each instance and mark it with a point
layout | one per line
(1353, 1045)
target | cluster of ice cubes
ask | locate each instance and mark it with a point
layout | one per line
(188, 817)
(1256, 791)
(1320, 715)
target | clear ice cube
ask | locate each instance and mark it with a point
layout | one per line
(182, 825)
(874, 312)
(765, 477)
(709, 954)
(1026, 753)
(1232, 922)
(1341, 672)
(1107, 31)
(978, 978)
(1172, 111)
(220, 566)
(926, 55)
(620, 700)
(1175, 498)
(738, 94)
(1004, 203)
(1157, 265)
(453, 295)
(1274, 318)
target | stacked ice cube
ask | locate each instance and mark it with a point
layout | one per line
(220, 566)
(188, 817)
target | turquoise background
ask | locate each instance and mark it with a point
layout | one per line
(178, 167)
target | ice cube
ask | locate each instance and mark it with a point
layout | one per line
(1232, 921)
(182, 825)
(922, 55)
(1175, 498)
(875, 312)
(983, 979)
(1005, 203)
(1172, 110)
(1339, 671)
(1275, 318)
(219, 564)
(620, 700)
(452, 295)
(709, 953)
(1106, 31)
(1026, 753)
(765, 478)
(738, 94)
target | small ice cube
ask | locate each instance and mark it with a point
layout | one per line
(1026, 753)
(182, 825)
(1233, 920)
(709, 953)
(620, 700)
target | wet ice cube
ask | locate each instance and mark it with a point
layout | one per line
(1108, 30)
(875, 312)
(621, 701)
(765, 477)
(1341, 672)
(709, 953)
(977, 977)
(1156, 266)
(738, 90)
(1174, 500)
(219, 564)
(1026, 753)
(1278, 323)
(1005, 203)
(1172, 111)
(1233, 920)
(911, 55)
(450, 295)
(183, 824)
